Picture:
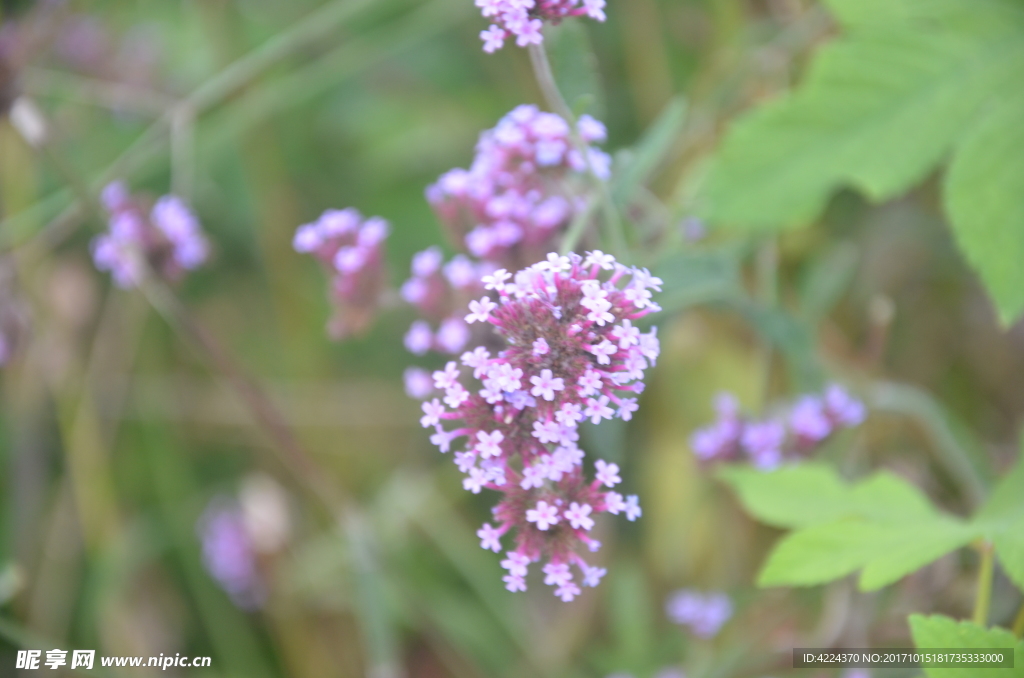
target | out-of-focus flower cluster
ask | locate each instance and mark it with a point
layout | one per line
(703, 613)
(508, 210)
(668, 672)
(440, 291)
(525, 18)
(235, 533)
(169, 240)
(524, 187)
(572, 353)
(768, 443)
(351, 247)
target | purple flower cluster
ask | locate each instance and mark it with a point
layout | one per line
(351, 248)
(572, 353)
(523, 188)
(439, 291)
(767, 443)
(703, 613)
(525, 18)
(169, 240)
(229, 554)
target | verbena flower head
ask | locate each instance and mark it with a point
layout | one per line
(524, 187)
(703, 613)
(524, 19)
(439, 291)
(228, 553)
(767, 443)
(169, 240)
(519, 426)
(351, 248)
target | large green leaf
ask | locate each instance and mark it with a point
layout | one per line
(985, 201)
(937, 631)
(881, 525)
(909, 82)
(1001, 520)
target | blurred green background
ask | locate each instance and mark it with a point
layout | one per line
(115, 435)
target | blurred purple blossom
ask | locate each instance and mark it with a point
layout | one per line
(768, 443)
(228, 553)
(703, 613)
(169, 240)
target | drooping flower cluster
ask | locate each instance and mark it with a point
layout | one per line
(525, 18)
(234, 533)
(767, 443)
(440, 292)
(351, 248)
(572, 354)
(169, 240)
(703, 613)
(524, 187)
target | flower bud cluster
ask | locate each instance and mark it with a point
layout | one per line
(703, 613)
(525, 18)
(572, 353)
(767, 443)
(524, 187)
(169, 240)
(440, 291)
(351, 247)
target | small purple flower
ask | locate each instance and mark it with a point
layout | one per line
(169, 241)
(703, 613)
(228, 554)
(350, 248)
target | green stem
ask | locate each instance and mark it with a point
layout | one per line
(983, 600)
(767, 272)
(549, 88)
(1018, 624)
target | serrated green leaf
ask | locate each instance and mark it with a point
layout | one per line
(792, 496)
(1001, 520)
(882, 524)
(885, 551)
(881, 107)
(938, 631)
(984, 197)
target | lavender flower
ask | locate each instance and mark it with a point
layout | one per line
(524, 187)
(228, 553)
(703, 613)
(351, 248)
(169, 240)
(525, 18)
(810, 421)
(521, 428)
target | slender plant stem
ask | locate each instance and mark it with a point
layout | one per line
(767, 268)
(1018, 624)
(983, 599)
(549, 88)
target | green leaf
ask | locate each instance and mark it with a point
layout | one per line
(575, 67)
(938, 631)
(909, 82)
(1002, 521)
(882, 525)
(985, 201)
(792, 496)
